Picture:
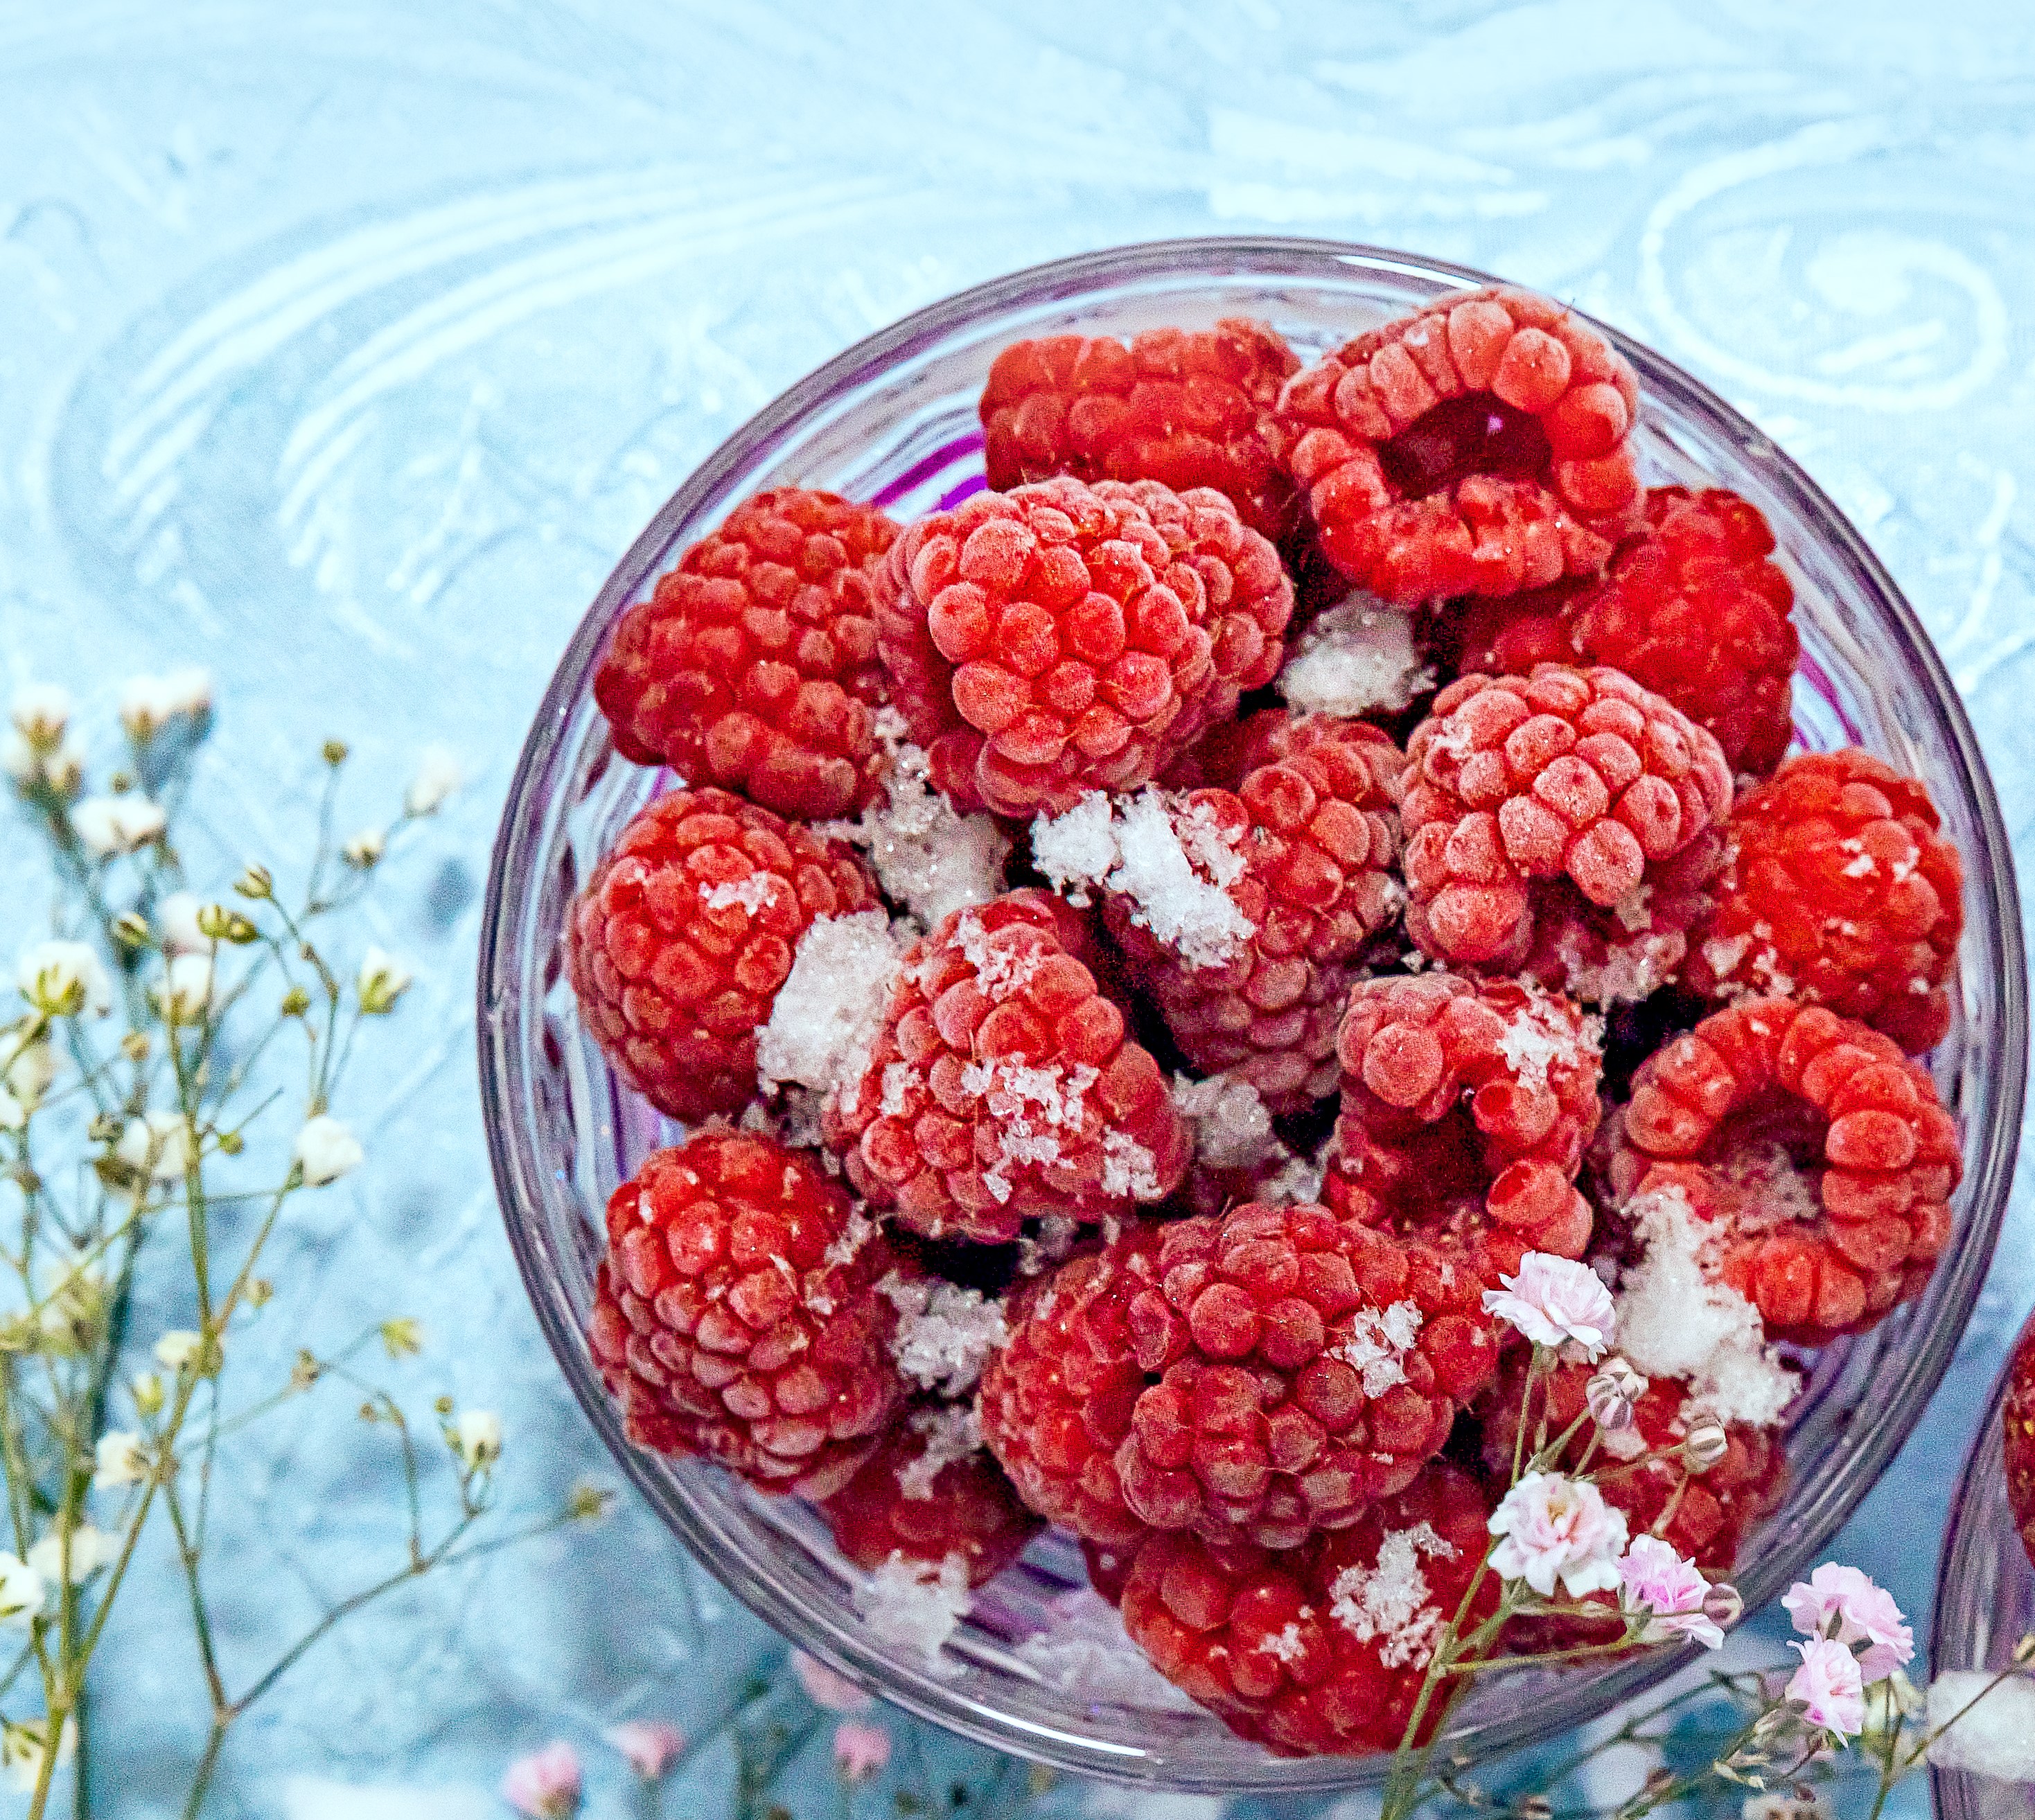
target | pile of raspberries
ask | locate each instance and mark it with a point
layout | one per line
(1137, 954)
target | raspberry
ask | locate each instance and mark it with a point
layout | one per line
(1191, 407)
(1002, 1085)
(1044, 643)
(2018, 1423)
(930, 1491)
(1056, 1401)
(1838, 889)
(1878, 1153)
(1466, 1106)
(738, 1315)
(1579, 774)
(1477, 447)
(753, 665)
(679, 941)
(1690, 607)
(1623, 953)
(1241, 914)
(1321, 1650)
(1298, 1370)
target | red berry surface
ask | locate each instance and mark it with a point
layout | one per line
(739, 1316)
(1045, 643)
(681, 938)
(1298, 1369)
(1466, 1106)
(1320, 1650)
(1189, 407)
(1567, 774)
(1840, 889)
(1479, 446)
(930, 1490)
(2017, 1420)
(1860, 1122)
(1003, 1085)
(753, 665)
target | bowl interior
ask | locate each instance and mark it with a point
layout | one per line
(894, 420)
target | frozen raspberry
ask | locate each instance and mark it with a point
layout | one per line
(739, 1316)
(930, 1491)
(1321, 1650)
(679, 941)
(1575, 774)
(1044, 643)
(1299, 1369)
(2018, 1421)
(1690, 608)
(1243, 913)
(1191, 407)
(1055, 1402)
(1837, 889)
(1002, 1085)
(1877, 1155)
(1705, 1515)
(1477, 447)
(753, 665)
(1620, 954)
(1466, 1106)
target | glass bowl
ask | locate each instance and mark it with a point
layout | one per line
(1985, 1604)
(894, 419)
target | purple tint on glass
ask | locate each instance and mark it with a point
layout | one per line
(975, 484)
(1814, 673)
(923, 471)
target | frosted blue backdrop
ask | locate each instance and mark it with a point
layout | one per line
(343, 348)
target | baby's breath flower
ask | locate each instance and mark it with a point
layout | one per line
(477, 1438)
(1705, 1444)
(58, 768)
(148, 704)
(25, 1742)
(185, 995)
(147, 1391)
(255, 881)
(111, 825)
(157, 1144)
(118, 1460)
(649, 1746)
(215, 922)
(91, 1549)
(40, 712)
(586, 1503)
(439, 776)
(333, 752)
(544, 1785)
(402, 1337)
(261, 1293)
(63, 979)
(176, 922)
(327, 1150)
(13, 1114)
(383, 980)
(364, 849)
(179, 1348)
(24, 1593)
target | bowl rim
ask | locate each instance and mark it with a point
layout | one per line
(1866, 1450)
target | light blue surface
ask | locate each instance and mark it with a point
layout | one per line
(344, 348)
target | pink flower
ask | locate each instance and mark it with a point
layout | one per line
(1557, 1302)
(859, 1751)
(1829, 1686)
(1653, 1578)
(1840, 1602)
(825, 1688)
(649, 1746)
(545, 1784)
(1560, 1528)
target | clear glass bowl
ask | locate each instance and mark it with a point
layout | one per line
(893, 419)
(1985, 1603)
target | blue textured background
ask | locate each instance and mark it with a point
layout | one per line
(344, 347)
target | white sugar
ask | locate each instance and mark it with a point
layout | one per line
(946, 1333)
(1297, 1184)
(751, 894)
(857, 1233)
(1535, 1040)
(1391, 1600)
(827, 1015)
(1233, 1129)
(1286, 1646)
(1675, 1322)
(1357, 658)
(1994, 1737)
(915, 1605)
(1000, 972)
(1077, 849)
(1085, 1655)
(1629, 971)
(1380, 1340)
(1129, 1168)
(951, 1434)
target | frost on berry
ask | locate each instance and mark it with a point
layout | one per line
(913, 1607)
(1002, 1085)
(1356, 658)
(1479, 446)
(825, 1015)
(946, 1333)
(739, 1317)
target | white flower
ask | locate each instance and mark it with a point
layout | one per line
(40, 712)
(1558, 1528)
(119, 1460)
(1557, 1302)
(177, 1347)
(13, 1114)
(63, 978)
(22, 1743)
(327, 1149)
(176, 922)
(188, 690)
(23, 1591)
(91, 1549)
(365, 848)
(438, 775)
(383, 979)
(148, 704)
(186, 993)
(110, 824)
(477, 1440)
(62, 767)
(28, 1068)
(158, 1142)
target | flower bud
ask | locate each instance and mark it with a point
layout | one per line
(334, 751)
(147, 1391)
(2024, 1651)
(1610, 1393)
(1722, 1605)
(362, 850)
(257, 882)
(1705, 1444)
(217, 923)
(131, 930)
